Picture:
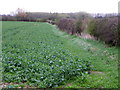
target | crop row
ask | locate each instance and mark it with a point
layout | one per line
(34, 54)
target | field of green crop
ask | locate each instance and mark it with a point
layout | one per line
(33, 54)
(39, 55)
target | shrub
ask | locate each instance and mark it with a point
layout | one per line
(78, 26)
(67, 25)
(105, 29)
(92, 27)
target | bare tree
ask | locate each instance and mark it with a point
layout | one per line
(21, 14)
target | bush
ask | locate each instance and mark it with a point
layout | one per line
(105, 29)
(67, 25)
(92, 27)
(78, 26)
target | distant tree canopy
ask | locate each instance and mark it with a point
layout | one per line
(21, 14)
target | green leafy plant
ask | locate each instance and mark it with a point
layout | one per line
(36, 55)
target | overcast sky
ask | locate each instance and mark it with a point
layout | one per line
(90, 6)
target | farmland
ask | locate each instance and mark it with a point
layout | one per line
(32, 53)
(39, 55)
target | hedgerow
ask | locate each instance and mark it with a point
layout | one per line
(105, 29)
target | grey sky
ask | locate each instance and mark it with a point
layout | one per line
(90, 6)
